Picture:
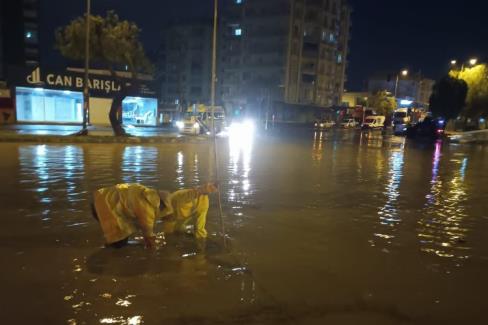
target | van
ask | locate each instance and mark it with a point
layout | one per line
(374, 122)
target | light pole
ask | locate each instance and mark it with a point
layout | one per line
(86, 95)
(404, 73)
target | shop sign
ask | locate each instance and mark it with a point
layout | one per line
(70, 81)
(99, 85)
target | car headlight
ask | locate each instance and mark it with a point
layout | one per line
(316, 124)
(321, 125)
(196, 126)
(180, 124)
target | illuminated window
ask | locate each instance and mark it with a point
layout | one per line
(339, 58)
(30, 36)
(141, 111)
(46, 105)
(238, 31)
(238, 2)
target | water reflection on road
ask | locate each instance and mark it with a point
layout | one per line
(443, 229)
(329, 224)
(389, 213)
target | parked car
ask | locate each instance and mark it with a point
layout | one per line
(374, 122)
(324, 124)
(349, 123)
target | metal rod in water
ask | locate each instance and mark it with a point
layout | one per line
(212, 103)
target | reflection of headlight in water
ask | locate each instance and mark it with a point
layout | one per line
(180, 125)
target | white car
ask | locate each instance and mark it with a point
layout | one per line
(349, 123)
(324, 124)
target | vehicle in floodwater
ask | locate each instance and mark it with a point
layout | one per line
(198, 120)
(429, 129)
(324, 124)
(374, 122)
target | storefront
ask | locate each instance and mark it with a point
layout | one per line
(38, 105)
(56, 97)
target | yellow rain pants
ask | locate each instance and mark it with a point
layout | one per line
(188, 206)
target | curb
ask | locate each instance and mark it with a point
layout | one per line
(101, 139)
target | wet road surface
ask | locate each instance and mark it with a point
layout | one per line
(334, 227)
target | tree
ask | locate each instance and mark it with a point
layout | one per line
(114, 43)
(448, 97)
(476, 79)
(383, 103)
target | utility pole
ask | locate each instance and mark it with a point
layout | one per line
(214, 65)
(404, 73)
(212, 103)
(86, 95)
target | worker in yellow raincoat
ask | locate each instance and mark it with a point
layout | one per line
(124, 209)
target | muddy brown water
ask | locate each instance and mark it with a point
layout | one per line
(336, 228)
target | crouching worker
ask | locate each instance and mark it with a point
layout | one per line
(187, 207)
(124, 209)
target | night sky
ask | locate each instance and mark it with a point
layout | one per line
(421, 35)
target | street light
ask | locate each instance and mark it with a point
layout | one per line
(404, 74)
(472, 62)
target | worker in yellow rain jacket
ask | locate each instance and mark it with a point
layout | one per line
(124, 209)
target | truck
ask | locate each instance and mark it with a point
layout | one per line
(401, 116)
(198, 120)
(402, 119)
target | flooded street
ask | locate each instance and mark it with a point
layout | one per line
(338, 227)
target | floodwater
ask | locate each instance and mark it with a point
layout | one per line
(324, 228)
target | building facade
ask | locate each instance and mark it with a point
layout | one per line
(19, 34)
(353, 99)
(288, 51)
(414, 88)
(184, 64)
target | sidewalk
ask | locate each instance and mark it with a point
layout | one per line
(41, 133)
(477, 137)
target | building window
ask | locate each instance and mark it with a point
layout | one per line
(239, 2)
(30, 36)
(141, 111)
(30, 13)
(238, 32)
(324, 35)
(339, 58)
(196, 91)
(45, 105)
(332, 38)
